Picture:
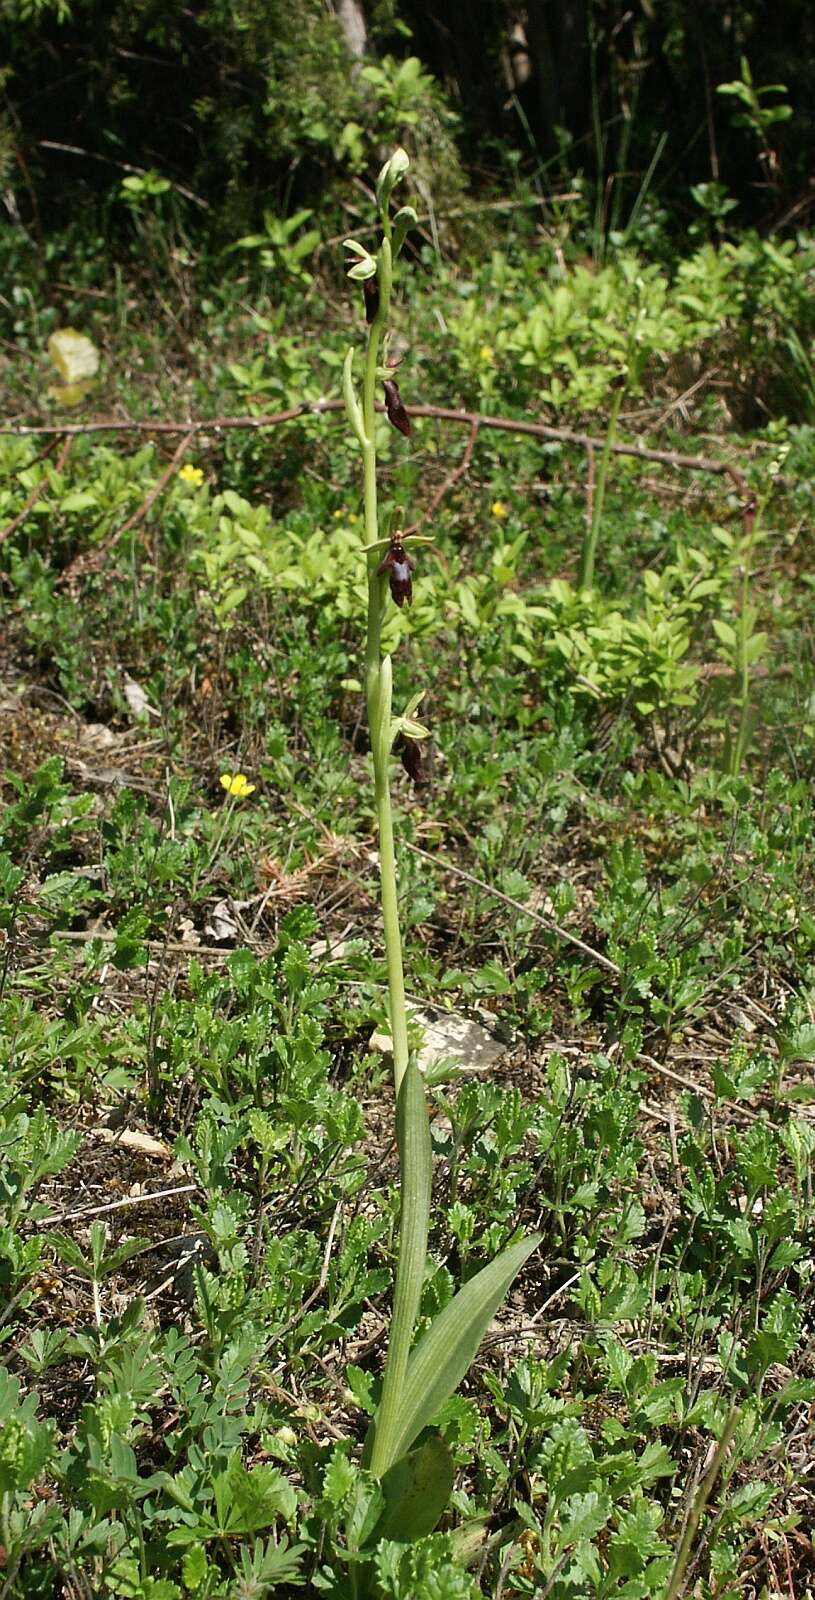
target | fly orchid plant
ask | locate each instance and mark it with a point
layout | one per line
(401, 1451)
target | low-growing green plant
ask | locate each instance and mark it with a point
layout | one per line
(416, 1482)
(758, 115)
(281, 251)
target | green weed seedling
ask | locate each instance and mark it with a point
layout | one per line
(757, 115)
(411, 1466)
(27, 1449)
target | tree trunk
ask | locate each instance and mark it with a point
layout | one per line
(351, 19)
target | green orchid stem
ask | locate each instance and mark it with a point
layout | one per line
(592, 535)
(377, 678)
(390, 1432)
(740, 746)
(413, 1130)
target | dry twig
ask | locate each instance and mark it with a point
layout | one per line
(449, 482)
(316, 408)
(517, 905)
(93, 560)
(33, 497)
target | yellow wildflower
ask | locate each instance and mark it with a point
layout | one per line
(237, 785)
(338, 515)
(499, 510)
(189, 474)
(352, 519)
(486, 354)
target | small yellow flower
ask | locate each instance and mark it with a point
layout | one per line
(499, 510)
(189, 474)
(486, 354)
(352, 519)
(237, 785)
(338, 515)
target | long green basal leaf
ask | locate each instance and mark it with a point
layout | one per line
(415, 1161)
(442, 1357)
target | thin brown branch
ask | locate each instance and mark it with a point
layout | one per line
(93, 560)
(517, 905)
(449, 483)
(124, 166)
(533, 430)
(206, 425)
(159, 487)
(33, 497)
(542, 430)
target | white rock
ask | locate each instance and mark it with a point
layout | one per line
(449, 1037)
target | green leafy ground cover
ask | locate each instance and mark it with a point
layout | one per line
(610, 869)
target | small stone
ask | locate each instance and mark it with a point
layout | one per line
(448, 1037)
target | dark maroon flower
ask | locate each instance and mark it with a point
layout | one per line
(397, 414)
(398, 565)
(370, 289)
(412, 756)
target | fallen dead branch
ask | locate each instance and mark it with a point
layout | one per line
(516, 905)
(33, 497)
(469, 419)
(94, 560)
(449, 483)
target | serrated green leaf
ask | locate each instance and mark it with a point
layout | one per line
(194, 1567)
(750, 1501)
(69, 1253)
(799, 1045)
(582, 1516)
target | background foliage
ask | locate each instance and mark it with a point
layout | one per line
(238, 103)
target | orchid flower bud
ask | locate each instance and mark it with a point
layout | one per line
(412, 756)
(370, 289)
(397, 415)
